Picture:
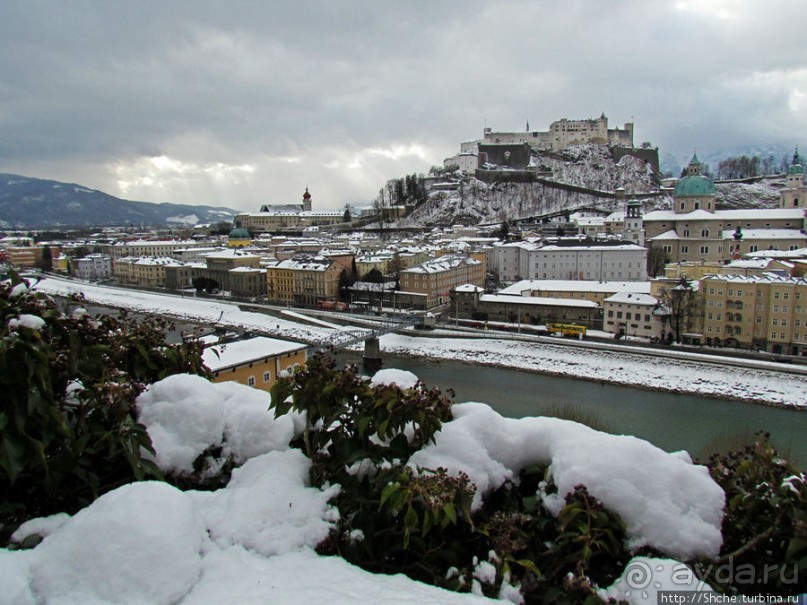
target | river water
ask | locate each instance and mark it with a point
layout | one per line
(671, 421)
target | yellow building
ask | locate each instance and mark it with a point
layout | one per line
(767, 312)
(256, 362)
(306, 279)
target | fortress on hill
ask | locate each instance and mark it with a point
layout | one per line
(561, 134)
(512, 151)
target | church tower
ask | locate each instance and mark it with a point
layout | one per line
(794, 194)
(633, 230)
(306, 201)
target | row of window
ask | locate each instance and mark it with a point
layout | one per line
(628, 315)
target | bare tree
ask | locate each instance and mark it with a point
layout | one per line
(682, 302)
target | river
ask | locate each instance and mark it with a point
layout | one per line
(671, 421)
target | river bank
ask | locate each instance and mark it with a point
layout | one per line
(613, 367)
(641, 371)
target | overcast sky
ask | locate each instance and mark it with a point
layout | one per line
(244, 103)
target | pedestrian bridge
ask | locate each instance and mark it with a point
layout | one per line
(342, 339)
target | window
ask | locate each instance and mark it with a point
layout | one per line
(784, 323)
(775, 322)
(786, 295)
(776, 295)
(704, 249)
(686, 233)
(251, 381)
(619, 314)
(684, 249)
(759, 319)
(773, 335)
(610, 313)
(267, 376)
(704, 233)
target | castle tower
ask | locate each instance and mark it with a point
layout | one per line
(633, 230)
(794, 194)
(306, 201)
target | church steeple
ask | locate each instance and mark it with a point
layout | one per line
(306, 201)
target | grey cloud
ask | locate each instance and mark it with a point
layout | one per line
(99, 85)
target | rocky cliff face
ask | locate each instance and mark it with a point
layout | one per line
(581, 177)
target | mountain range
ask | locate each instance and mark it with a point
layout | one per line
(31, 203)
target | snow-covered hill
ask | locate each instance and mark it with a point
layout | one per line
(579, 177)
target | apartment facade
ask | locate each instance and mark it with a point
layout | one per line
(767, 312)
(435, 278)
(305, 279)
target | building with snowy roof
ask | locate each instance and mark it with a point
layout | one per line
(764, 312)
(593, 291)
(435, 278)
(232, 270)
(470, 302)
(256, 362)
(307, 279)
(93, 267)
(287, 216)
(574, 260)
(694, 230)
(636, 315)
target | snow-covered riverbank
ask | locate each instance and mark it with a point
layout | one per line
(677, 375)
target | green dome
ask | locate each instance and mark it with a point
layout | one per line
(694, 186)
(795, 169)
(239, 233)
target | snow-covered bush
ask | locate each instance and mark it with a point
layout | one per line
(68, 431)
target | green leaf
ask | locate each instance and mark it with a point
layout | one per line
(388, 490)
(411, 519)
(526, 564)
(451, 513)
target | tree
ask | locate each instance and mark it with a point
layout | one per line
(657, 259)
(681, 301)
(205, 283)
(46, 264)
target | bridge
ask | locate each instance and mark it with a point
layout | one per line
(372, 348)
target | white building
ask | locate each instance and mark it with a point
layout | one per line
(634, 314)
(94, 267)
(522, 260)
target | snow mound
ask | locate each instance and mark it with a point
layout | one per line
(141, 543)
(256, 513)
(665, 501)
(185, 415)
(402, 378)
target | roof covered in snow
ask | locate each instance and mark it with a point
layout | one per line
(243, 351)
